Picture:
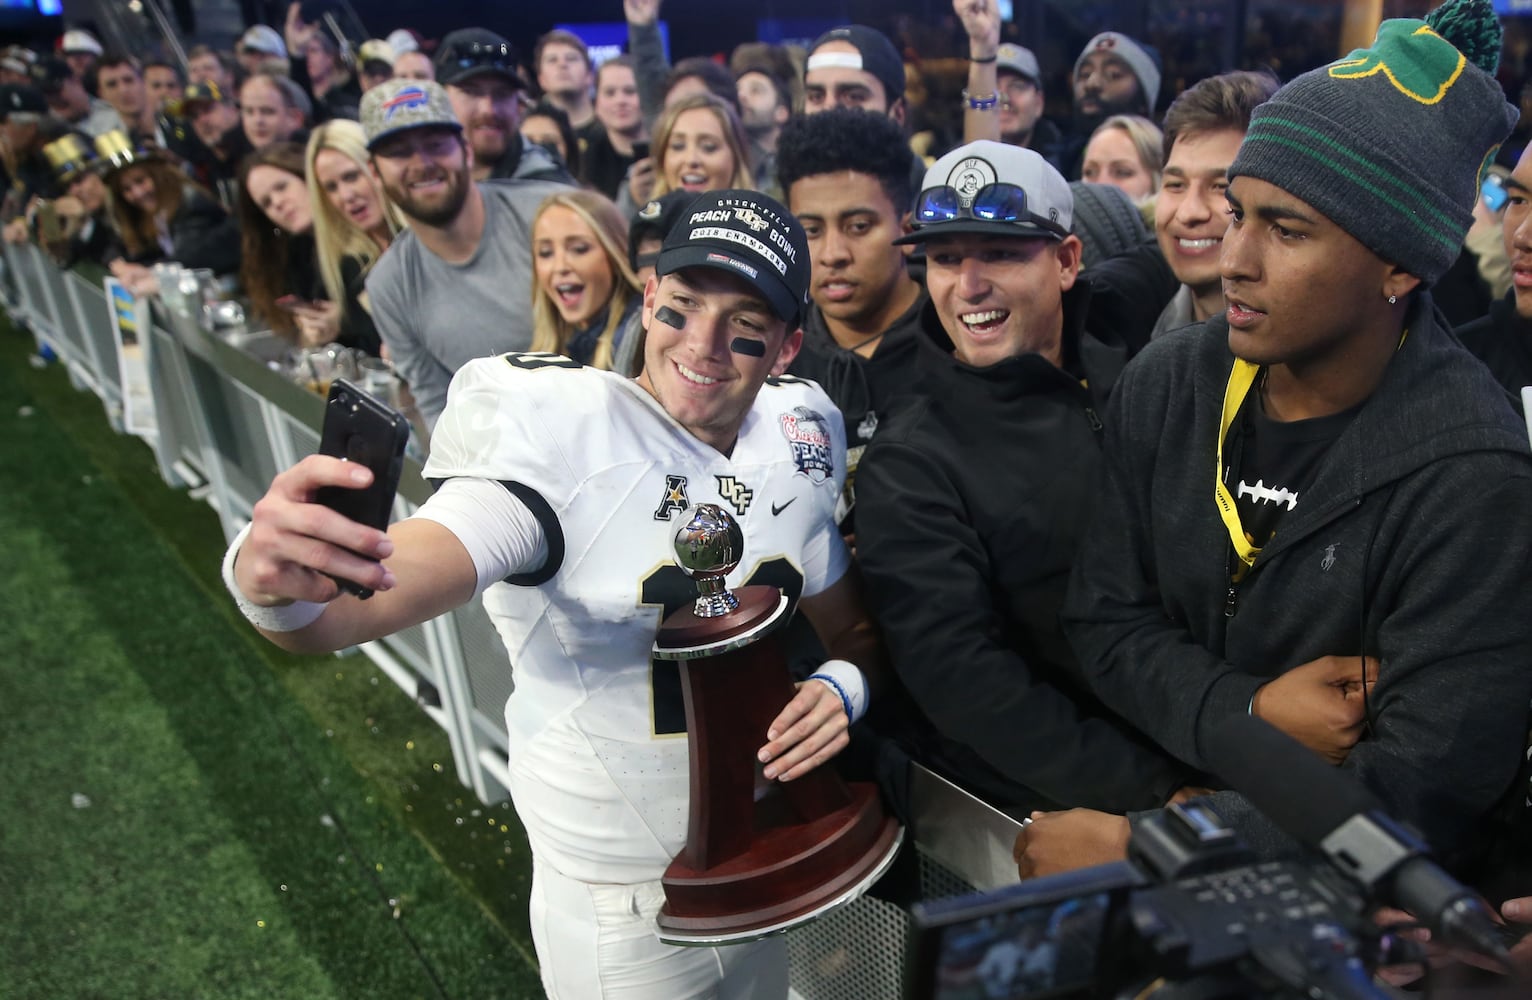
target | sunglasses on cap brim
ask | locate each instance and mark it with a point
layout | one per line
(998, 202)
(482, 55)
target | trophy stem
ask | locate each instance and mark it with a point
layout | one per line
(715, 600)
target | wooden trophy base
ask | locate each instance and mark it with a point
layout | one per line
(761, 856)
(791, 875)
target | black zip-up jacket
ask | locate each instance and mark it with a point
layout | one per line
(1503, 341)
(1411, 545)
(971, 503)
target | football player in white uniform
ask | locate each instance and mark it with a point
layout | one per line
(560, 489)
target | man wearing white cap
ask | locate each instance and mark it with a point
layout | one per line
(80, 50)
(258, 47)
(974, 494)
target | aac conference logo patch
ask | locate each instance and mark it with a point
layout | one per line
(808, 435)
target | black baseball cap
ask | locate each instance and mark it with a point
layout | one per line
(470, 52)
(657, 218)
(20, 98)
(874, 54)
(49, 74)
(748, 234)
(207, 92)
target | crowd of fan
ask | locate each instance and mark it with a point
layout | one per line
(426, 207)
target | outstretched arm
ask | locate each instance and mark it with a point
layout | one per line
(294, 546)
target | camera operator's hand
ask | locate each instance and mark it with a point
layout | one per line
(1515, 911)
(1519, 911)
(1186, 793)
(1320, 703)
(1063, 841)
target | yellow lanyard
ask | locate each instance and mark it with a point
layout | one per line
(1241, 378)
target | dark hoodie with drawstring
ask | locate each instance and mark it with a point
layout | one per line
(863, 388)
(971, 502)
(1412, 545)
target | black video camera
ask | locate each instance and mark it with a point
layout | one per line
(1192, 914)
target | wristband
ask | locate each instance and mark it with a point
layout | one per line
(848, 681)
(985, 102)
(287, 618)
(976, 59)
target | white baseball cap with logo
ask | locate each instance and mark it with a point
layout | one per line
(992, 188)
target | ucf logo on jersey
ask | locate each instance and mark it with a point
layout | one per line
(736, 492)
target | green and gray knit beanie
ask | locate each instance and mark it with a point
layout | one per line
(1392, 141)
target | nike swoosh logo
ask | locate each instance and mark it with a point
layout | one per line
(775, 510)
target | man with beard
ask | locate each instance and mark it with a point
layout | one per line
(478, 68)
(445, 291)
(69, 101)
(765, 105)
(1114, 75)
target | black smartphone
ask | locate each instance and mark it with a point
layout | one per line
(358, 428)
(640, 150)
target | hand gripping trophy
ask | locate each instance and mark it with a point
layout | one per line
(761, 856)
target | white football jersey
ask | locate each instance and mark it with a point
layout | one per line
(598, 755)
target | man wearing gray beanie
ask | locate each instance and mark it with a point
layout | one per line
(1315, 505)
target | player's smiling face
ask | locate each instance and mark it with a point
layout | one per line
(710, 342)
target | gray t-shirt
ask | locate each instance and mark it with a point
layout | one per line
(435, 316)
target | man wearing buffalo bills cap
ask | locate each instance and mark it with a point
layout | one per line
(974, 494)
(560, 489)
(478, 68)
(449, 287)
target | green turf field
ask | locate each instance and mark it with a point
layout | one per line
(184, 810)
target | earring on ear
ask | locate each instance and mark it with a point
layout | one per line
(1393, 299)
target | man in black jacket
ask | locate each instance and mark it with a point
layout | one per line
(846, 177)
(1321, 488)
(1503, 339)
(974, 495)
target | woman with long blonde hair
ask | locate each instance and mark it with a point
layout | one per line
(700, 145)
(585, 299)
(354, 222)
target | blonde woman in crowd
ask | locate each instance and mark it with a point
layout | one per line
(585, 298)
(1126, 151)
(354, 222)
(700, 145)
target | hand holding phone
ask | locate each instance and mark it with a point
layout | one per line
(640, 150)
(358, 428)
(292, 303)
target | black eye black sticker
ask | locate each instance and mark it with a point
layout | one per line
(744, 345)
(670, 317)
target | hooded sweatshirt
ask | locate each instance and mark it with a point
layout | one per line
(1409, 545)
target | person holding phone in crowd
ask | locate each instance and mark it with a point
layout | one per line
(354, 222)
(279, 270)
